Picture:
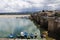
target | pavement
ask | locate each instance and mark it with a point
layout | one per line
(17, 39)
(25, 39)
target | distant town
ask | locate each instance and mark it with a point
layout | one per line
(49, 20)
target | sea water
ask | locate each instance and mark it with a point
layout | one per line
(16, 25)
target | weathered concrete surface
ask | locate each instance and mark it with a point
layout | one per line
(16, 39)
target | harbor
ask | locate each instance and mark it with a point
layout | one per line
(39, 22)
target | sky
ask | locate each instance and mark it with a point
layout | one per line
(28, 5)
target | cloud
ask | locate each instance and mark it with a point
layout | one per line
(27, 5)
(35, 1)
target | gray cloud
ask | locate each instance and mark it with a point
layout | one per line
(19, 5)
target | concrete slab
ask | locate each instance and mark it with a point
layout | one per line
(10, 39)
(20, 39)
(16, 39)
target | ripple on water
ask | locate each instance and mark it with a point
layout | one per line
(15, 26)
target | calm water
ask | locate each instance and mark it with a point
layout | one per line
(16, 25)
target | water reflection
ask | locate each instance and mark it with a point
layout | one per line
(16, 25)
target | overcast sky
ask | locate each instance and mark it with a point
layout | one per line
(28, 5)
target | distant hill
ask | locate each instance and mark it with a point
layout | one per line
(25, 13)
(17, 13)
